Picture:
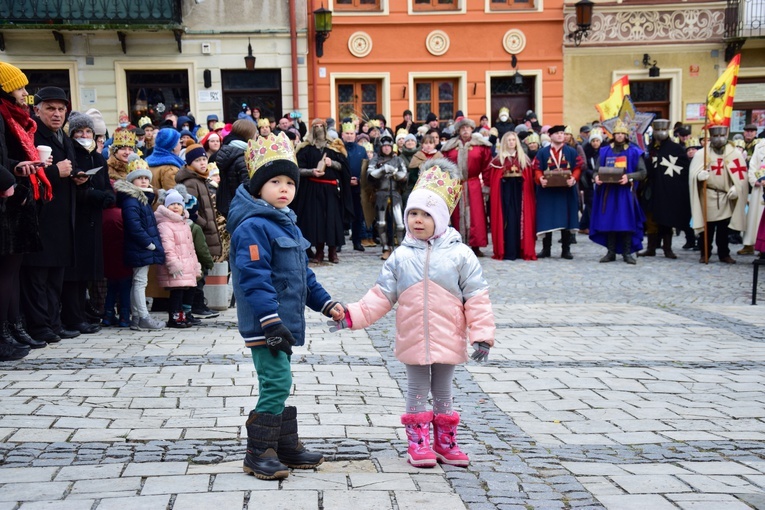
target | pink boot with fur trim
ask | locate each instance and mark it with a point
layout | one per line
(445, 440)
(417, 427)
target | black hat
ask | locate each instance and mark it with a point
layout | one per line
(407, 112)
(750, 127)
(272, 169)
(431, 117)
(585, 129)
(683, 131)
(556, 129)
(386, 140)
(50, 94)
(458, 114)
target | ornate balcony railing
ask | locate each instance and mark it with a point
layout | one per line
(744, 19)
(89, 13)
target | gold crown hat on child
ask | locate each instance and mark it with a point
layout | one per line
(440, 182)
(349, 127)
(266, 149)
(137, 164)
(264, 123)
(124, 138)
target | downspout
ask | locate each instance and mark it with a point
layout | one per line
(293, 49)
(314, 60)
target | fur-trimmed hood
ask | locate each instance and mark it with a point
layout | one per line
(133, 191)
(475, 139)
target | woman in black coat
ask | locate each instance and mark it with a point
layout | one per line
(93, 194)
(21, 189)
(230, 161)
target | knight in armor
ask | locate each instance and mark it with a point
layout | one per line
(665, 198)
(723, 168)
(388, 174)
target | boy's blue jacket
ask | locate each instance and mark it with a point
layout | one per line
(269, 268)
(140, 226)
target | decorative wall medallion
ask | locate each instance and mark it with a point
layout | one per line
(437, 42)
(670, 26)
(514, 41)
(360, 44)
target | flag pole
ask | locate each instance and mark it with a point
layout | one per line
(704, 186)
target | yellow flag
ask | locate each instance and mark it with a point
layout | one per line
(720, 98)
(609, 108)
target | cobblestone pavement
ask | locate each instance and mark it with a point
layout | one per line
(611, 386)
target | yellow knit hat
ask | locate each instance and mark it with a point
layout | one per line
(11, 77)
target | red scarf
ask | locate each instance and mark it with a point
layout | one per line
(22, 126)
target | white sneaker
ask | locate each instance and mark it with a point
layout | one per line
(149, 323)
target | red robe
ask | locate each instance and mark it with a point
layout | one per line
(478, 159)
(528, 210)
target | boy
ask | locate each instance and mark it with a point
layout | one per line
(273, 285)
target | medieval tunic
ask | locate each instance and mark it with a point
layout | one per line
(557, 208)
(512, 210)
(615, 207)
(756, 206)
(725, 170)
(324, 203)
(670, 202)
(472, 158)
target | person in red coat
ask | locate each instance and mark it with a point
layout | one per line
(472, 154)
(512, 203)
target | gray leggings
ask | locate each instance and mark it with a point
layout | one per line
(424, 379)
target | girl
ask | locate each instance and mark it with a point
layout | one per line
(512, 204)
(181, 269)
(443, 303)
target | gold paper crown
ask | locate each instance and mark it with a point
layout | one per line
(137, 164)
(349, 127)
(374, 123)
(368, 147)
(264, 123)
(532, 138)
(401, 133)
(124, 138)
(437, 178)
(266, 149)
(218, 125)
(212, 168)
(201, 132)
(621, 127)
(504, 109)
(143, 121)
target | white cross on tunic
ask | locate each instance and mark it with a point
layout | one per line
(671, 168)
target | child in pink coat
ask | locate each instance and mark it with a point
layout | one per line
(443, 304)
(181, 269)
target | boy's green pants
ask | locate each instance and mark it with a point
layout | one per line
(274, 380)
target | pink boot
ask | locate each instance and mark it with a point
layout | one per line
(445, 440)
(418, 433)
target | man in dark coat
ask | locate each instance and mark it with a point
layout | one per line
(666, 198)
(408, 124)
(42, 276)
(323, 203)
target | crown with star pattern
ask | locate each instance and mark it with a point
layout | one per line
(124, 138)
(441, 177)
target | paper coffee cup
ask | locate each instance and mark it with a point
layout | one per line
(44, 152)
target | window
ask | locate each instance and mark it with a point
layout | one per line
(516, 97)
(749, 104)
(437, 96)
(156, 93)
(357, 5)
(512, 5)
(435, 5)
(651, 96)
(39, 78)
(261, 88)
(361, 98)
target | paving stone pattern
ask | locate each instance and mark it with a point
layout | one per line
(610, 387)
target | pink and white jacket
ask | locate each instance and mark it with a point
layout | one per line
(179, 250)
(443, 300)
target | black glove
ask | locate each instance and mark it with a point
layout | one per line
(279, 338)
(108, 200)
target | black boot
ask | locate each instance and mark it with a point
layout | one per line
(291, 451)
(21, 336)
(6, 338)
(262, 442)
(610, 256)
(566, 249)
(653, 241)
(627, 247)
(668, 246)
(546, 246)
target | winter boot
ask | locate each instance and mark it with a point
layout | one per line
(319, 253)
(262, 441)
(653, 241)
(177, 320)
(610, 256)
(124, 321)
(20, 334)
(627, 246)
(445, 440)
(417, 426)
(546, 245)
(110, 319)
(7, 338)
(291, 451)
(567, 241)
(667, 239)
(333, 255)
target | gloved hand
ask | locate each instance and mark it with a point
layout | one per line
(703, 175)
(732, 193)
(151, 247)
(389, 169)
(344, 323)
(334, 309)
(177, 274)
(481, 352)
(279, 338)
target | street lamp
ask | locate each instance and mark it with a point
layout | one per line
(322, 22)
(249, 60)
(583, 21)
